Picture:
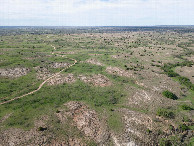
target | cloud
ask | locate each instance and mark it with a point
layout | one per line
(96, 12)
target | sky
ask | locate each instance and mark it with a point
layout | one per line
(96, 12)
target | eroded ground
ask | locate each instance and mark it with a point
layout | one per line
(112, 95)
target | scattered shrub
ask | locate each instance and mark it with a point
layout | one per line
(186, 119)
(148, 131)
(113, 100)
(171, 127)
(168, 69)
(170, 141)
(183, 127)
(165, 113)
(165, 142)
(57, 111)
(41, 129)
(186, 107)
(170, 73)
(158, 65)
(185, 81)
(169, 94)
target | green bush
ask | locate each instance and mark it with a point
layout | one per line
(191, 141)
(186, 107)
(183, 127)
(57, 111)
(168, 69)
(165, 113)
(185, 81)
(170, 141)
(186, 119)
(171, 74)
(42, 129)
(148, 131)
(169, 94)
(165, 142)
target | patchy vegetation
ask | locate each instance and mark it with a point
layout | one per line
(102, 86)
(165, 113)
(186, 107)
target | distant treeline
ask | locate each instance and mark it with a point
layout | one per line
(10, 30)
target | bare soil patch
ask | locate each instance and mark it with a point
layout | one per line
(136, 126)
(122, 140)
(158, 82)
(34, 136)
(141, 96)
(186, 72)
(59, 65)
(70, 142)
(42, 73)
(135, 130)
(149, 100)
(142, 129)
(38, 56)
(62, 78)
(119, 71)
(14, 72)
(18, 136)
(68, 52)
(121, 56)
(191, 58)
(95, 54)
(5, 118)
(96, 80)
(94, 61)
(86, 120)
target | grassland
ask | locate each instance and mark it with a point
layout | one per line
(139, 65)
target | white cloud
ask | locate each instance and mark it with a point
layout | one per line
(97, 12)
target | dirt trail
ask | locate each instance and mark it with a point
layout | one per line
(41, 85)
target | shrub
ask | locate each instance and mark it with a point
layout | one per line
(57, 111)
(183, 127)
(169, 94)
(171, 74)
(185, 81)
(168, 69)
(191, 141)
(165, 113)
(186, 107)
(158, 65)
(113, 100)
(171, 127)
(165, 142)
(148, 131)
(41, 129)
(186, 119)
(170, 141)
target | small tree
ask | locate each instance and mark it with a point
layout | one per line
(186, 107)
(169, 94)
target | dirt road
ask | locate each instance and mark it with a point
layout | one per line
(41, 85)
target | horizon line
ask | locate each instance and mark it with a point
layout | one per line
(90, 25)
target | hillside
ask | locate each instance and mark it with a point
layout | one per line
(97, 86)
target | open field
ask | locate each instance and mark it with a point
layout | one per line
(113, 86)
